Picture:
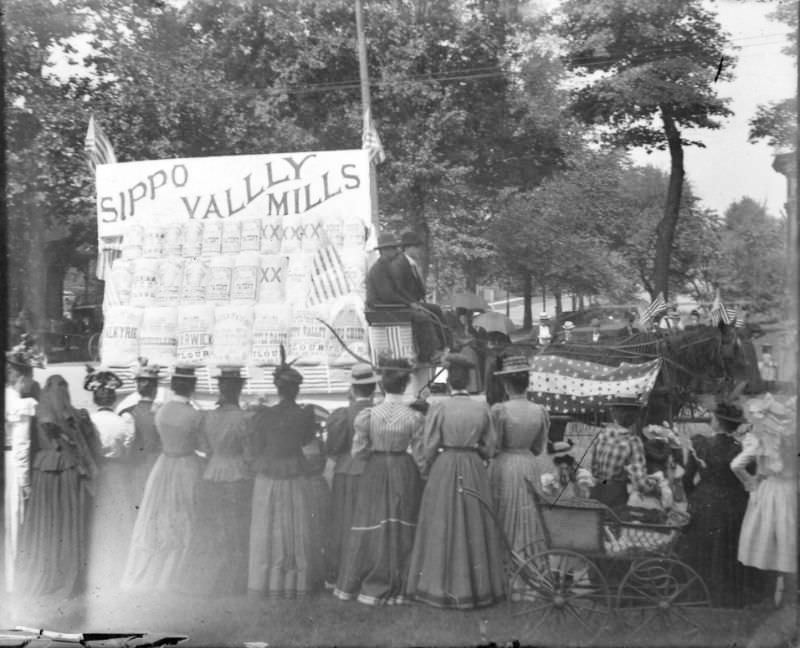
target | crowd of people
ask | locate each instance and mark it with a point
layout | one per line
(232, 501)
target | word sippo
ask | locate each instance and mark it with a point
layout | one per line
(123, 204)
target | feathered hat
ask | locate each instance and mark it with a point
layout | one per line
(285, 373)
(100, 378)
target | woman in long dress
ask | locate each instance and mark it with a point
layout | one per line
(716, 506)
(53, 545)
(522, 428)
(457, 558)
(285, 559)
(114, 515)
(768, 540)
(19, 413)
(164, 524)
(375, 562)
(216, 561)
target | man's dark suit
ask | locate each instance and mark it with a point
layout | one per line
(382, 289)
(407, 279)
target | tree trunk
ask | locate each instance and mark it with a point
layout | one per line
(581, 303)
(527, 297)
(665, 231)
(35, 279)
(574, 302)
(557, 296)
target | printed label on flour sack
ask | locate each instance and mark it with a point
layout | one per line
(251, 235)
(349, 323)
(120, 345)
(271, 234)
(270, 330)
(307, 338)
(195, 278)
(195, 325)
(145, 282)
(334, 230)
(173, 239)
(122, 279)
(273, 273)
(212, 238)
(192, 238)
(231, 237)
(153, 246)
(158, 337)
(170, 281)
(233, 334)
(354, 232)
(220, 273)
(292, 234)
(245, 278)
(298, 279)
(313, 233)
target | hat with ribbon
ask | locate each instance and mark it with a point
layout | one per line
(729, 412)
(387, 240)
(568, 326)
(100, 378)
(184, 372)
(561, 451)
(363, 374)
(230, 373)
(544, 316)
(285, 373)
(514, 364)
(458, 360)
(26, 355)
(146, 371)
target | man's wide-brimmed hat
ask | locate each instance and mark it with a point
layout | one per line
(363, 374)
(230, 373)
(729, 412)
(410, 238)
(386, 240)
(100, 378)
(514, 364)
(560, 450)
(568, 326)
(146, 371)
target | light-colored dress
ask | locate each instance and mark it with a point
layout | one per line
(114, 514)
(18, 412)
(374, 568)
(457, 561)
(768, 539)
(164, 523)
(522, 428)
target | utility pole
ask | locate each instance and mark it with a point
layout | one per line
(366, 108)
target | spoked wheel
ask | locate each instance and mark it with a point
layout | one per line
(93, 347)
(662, 593)
(559, 594)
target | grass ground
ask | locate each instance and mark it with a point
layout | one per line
(323, 620)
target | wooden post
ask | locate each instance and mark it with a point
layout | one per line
(366, 107)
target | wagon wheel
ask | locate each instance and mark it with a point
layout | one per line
(659, 593)
(559, 592)
(93, 347)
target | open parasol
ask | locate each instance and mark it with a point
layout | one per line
(494, 322)
(469, 301)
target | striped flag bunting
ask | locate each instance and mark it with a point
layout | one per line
(568, 386)
(97, 146)
(656, 307)
(392, 341)
(328, 277)
(371, 141)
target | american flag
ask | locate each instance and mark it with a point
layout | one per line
(656, 307)
(370, 139)
(721, 313)
(328, 277)
(568, 386)
(97, 146)
(391, 341)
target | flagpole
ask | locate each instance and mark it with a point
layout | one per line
(366, 108)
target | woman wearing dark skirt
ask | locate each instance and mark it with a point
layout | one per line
(347, 469)
(54, 540)
(374, 567)
(114, 514)
(216, 560)
(716, 505)
(457, 557)
(285, 559)
(164, 523)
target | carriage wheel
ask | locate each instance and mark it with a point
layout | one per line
(661, 593)
(93, 347)
(559, 592)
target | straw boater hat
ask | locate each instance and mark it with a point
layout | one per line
(560, 450)
(514, 364)
(101, 378)
(544, 316)
(386, 240)
(183, 372)
(230, 373)
(568, 326)
(146, 371)
(363, 374)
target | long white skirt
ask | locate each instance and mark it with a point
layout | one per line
(768, 538)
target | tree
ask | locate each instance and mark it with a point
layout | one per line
(648, 68)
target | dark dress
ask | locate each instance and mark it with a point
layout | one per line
(145, 449)
(285, 560)
(347, 473)
(54, 539)
(216, 561)
(717, 505)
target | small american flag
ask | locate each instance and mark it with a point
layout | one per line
(656, 307)
(97, 146)
(371, 140)
(721, 313)
(328, 277)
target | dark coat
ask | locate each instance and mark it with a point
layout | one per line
(382, 289)
(408, 282)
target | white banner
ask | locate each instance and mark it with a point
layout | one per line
(288, 185)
